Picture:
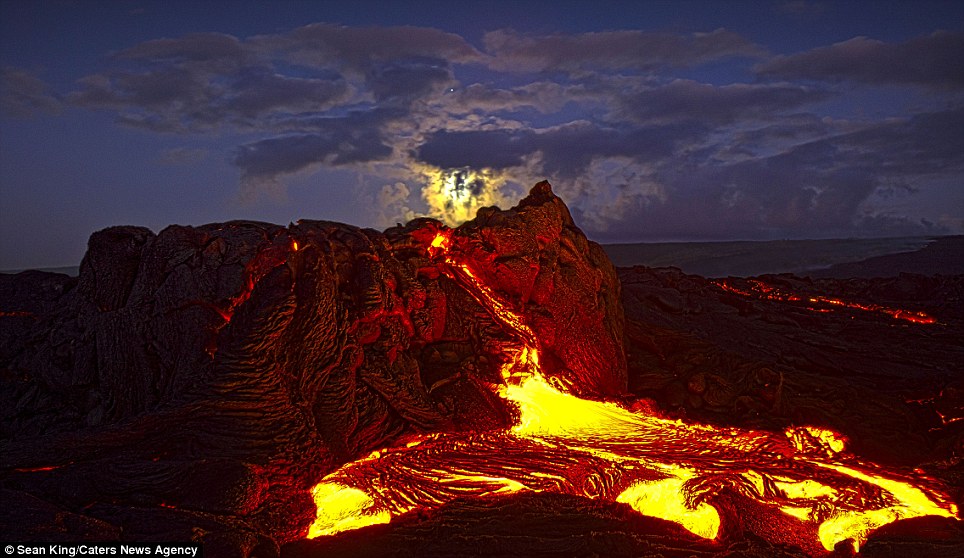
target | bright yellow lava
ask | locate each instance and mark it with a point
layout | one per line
(661, 468)
(806, 437)
(343, 508)
(856, 525)
(664, 499)
(546, 411)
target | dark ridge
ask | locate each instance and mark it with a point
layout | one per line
(944, 256)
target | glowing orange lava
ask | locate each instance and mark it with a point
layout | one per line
(16, 314)
(761, 290)
(661, 468)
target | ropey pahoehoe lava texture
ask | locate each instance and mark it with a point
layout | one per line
(199, 382)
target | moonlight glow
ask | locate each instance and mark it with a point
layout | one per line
(454, 195)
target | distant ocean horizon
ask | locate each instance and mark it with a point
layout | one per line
(740, 258)
(747, 258)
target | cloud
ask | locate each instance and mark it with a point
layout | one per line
(259, 93)
(320, 94)
(355, 138)
(495, 149)
(709, 104)
(397, 64)
(569, 149)
(391, 204)
(207, 81)
(775, 135)
(637, 149)
(934, 61)
(819, 188)
(565, 150)
(611, 50)
(166, 99)
(543, 96)
(213, 50)
(905, 150)
(175, 98)
(22, 94)
(358, 49)
(796, 175)
(408, 80)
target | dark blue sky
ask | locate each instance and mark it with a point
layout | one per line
(654, 120)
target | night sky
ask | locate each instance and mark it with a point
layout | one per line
(653, 120)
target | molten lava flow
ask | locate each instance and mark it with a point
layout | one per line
(761, 290)
(17, 314)
(661, 468)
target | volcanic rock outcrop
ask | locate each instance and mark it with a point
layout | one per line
(196, 383)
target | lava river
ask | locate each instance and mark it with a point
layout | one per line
(673, 470)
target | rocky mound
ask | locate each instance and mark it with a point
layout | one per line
(201, 380)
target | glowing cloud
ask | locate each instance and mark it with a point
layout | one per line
(454, 195)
